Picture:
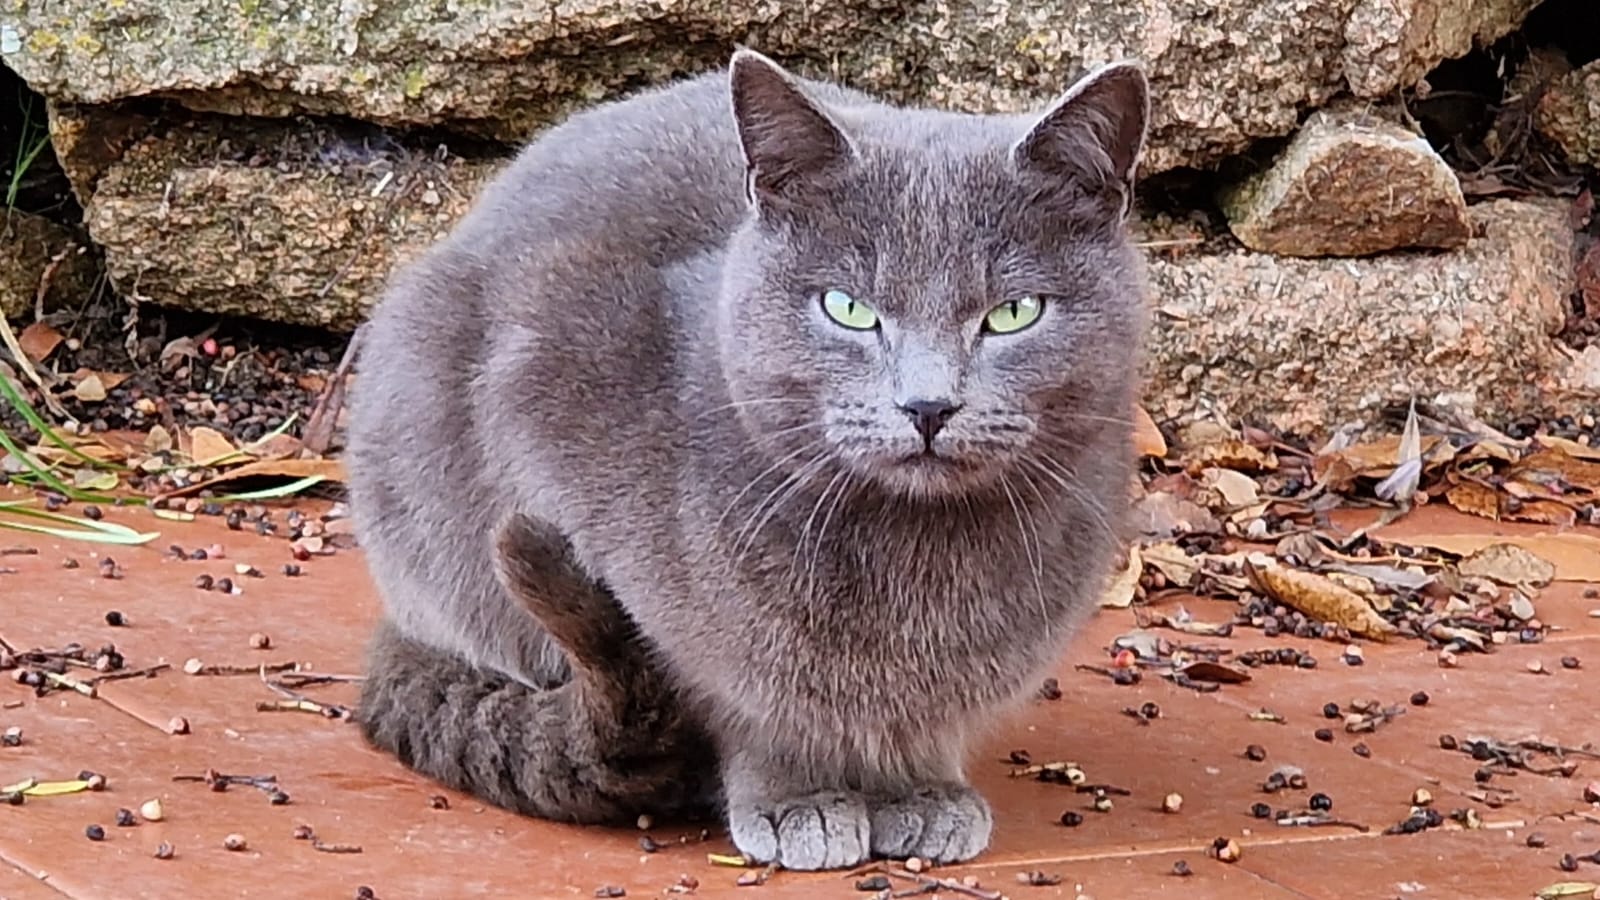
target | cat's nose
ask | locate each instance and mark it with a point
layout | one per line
(929, 416)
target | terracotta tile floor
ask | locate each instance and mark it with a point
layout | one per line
(351, 795)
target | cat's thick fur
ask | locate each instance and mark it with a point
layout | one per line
(840, 552)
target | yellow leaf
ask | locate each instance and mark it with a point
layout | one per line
(55, 788)
(1124, 584)
(1318, 597)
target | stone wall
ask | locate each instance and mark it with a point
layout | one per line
(277, 160)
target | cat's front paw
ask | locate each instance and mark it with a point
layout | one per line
(943, 824)
(825, 830)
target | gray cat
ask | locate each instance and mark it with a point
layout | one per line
(753, 442)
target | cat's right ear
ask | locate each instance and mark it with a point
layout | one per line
(789, 141)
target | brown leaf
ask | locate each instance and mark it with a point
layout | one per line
(1377, 459)
(39, 340)
(1554, 467)
(208, 445)
(1164, 515)
(1475, 499)
(1508, 564)
(1147, 439)
(1236, 488)
(1232, 453)
(288, 469)
(90, 389)
(1542, 512)
(1178, 567)
(1124, 584)
(1222, 673)
(1576, 557)
(1589, 281)
(1317, 597)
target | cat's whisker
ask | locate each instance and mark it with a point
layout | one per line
(1068, 481)
(746, 538)
(754, 401)
(780, 463)
(1035, 561)
(805, 530)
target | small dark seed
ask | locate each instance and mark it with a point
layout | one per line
(115, 619)
(1071, 819)
(1181, 869)
(199, 553)
(1570, 662)
(1297, 782)
(291, 570)
(874, 883)
(648, 844)
(1261, 811)
(365, 893)
(1306, 661)
(439, 801)
(1447, 742)
(1330, 710)
(1362, 750)
(14, 798)
(125, 818)
(1255, 753)
(1324, 734)
(277, 798)
(1420, 698)
(95, 833)
(225, 585)
(1568, 863)
(93, 512)
(204, 582)
(1535, 840)
(1020, 758)
(1321, 802)
(164, 851)
(1150, 711)
(303, 833)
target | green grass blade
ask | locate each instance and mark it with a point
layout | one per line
(272, 493)
(19, 507)
(72, 534)
(44, 474)
(31, 415)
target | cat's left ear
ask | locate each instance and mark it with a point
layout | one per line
(1095, 132)
(789, 141)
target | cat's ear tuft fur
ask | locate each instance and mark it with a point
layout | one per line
(787, 138)
(1094, 132)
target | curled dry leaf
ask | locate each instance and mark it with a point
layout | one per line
(1340, 468)
(1147, 439)
(1576, 557)
(1163, 515)
(1555, 468)
(1124, 584)
(1237, 489)
(1222, 673)
(1178, 567)
(1509, 564)
(1232, 453)
(39, 340)
(1317, 597)
(207, 445)
(90, 389)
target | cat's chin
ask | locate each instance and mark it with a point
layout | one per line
(929, 476)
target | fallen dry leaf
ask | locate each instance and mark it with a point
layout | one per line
(1178, 567)
(1232, 453)
(1147, 439)
(1162, 515)
(1317, 597)
(208, 445)
(1124, 583)
(1576, 557)
(1474, 499)
(1378, 459)
(1205, 670)
(1237, 489)
(90, 389)
(1508, 564)
(39, 340)
(1554, 468)
(289, 469)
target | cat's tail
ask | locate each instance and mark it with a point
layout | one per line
(612, 743)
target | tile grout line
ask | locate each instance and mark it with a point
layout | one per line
(32, 875)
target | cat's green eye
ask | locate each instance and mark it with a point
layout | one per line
(844, 309)
(1014, 315)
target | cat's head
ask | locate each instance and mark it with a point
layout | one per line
(929, 299)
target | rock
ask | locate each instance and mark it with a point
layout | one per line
(1569, 114)
(1224, 73)
(1349, 184)
(28, 246)
(296, 224)
(1307, 344)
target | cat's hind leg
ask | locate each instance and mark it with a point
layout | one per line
(607, 746)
